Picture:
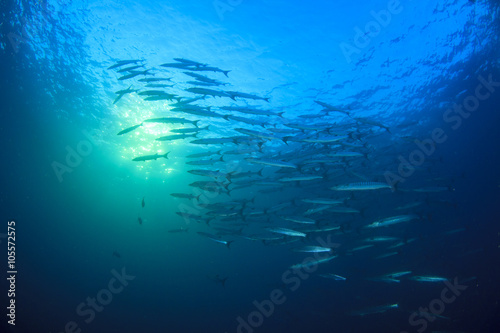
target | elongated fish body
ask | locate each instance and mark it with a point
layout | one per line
(185, 195)
(234, 94)
(214, 238)
(287, 232)
(326, 139)
(122, 93)
(333, 277)
(175, 137)
(299, 219)
(385, 279)
(159, 85)
(177, 65)
(374, 310)
(261, 135)
(212, 141)
(133, 74)
(205, 162)
(312, 262)
(392, 220)
(324, 201)
(329, 108)
(316, 209)
(428, 278)
(312, 249)
(246, 120)
(362, 186)
(203, 113)
(253, 111)
(275, 163)
(322, 229)
(145, 158)
(210, 173)
(205, 154)
(151, 92)
(125, 91)
(210, 69)
(190, 62)
(372, 123)
(200, 77)
(344, 154)
(203, 84)
(299, 178)
(241, 151)
(155, 79)
(130, 129)
(363, 247)
(398, 274)
(171, 121)
(123, 63)
(387, 255)
(210, 186)
(208, 92)
(150, 157)
(128, 69)
(379, 239)
(163, 97)
(189, 130)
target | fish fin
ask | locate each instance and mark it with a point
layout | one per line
(260, 174)
(225, 73)
(228, 243)
(166, 155)
(229, 174)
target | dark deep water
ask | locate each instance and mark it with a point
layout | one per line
(77, 216)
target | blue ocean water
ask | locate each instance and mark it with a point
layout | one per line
(399, 95)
